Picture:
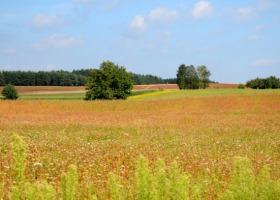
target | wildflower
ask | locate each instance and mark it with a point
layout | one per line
(37, 164)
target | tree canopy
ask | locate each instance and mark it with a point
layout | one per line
(41, 78)
(203, 76)
(189, 77)
(66, 78)
(109, 82)
(264, 83)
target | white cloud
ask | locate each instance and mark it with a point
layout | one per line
(138, 24)
(83, 1)
(253, 37)
(8, 50)
(163, 14)
(110, 4)
(259, 28)
(265, 4)
(6, 67)
(56, 40)
(43, 21)
(244, 14)
(51, 67)
(263, 63)
(202, 9)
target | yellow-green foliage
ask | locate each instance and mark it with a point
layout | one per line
(245, 185)
(39, 191)
(19, 155)
(179, 183)
(159, 183)
(115, 187)
(69, 183)
(143, 179)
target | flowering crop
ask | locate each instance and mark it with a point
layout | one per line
(201, 133)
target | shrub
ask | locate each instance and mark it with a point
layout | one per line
(9, 92)
(241, 86)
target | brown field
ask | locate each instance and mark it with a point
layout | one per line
(51, 89)
(81, 89)
(175, 86)
(202, 133)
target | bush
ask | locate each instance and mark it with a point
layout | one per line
(240, 86)
(9, 92)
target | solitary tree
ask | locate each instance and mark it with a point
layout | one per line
(203, 75)
(9, 92)
(108, 82)
(181, 77)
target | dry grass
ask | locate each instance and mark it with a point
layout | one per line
(202, 133)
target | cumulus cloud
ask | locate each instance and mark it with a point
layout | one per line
(138, 24)
(58, 41)
(163, 14)
(202, 9)
(263, 63)
(43, 21)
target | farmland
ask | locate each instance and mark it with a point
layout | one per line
(202, 130)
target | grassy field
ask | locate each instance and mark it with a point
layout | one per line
(203, 130)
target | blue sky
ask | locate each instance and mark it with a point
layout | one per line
(237, 40)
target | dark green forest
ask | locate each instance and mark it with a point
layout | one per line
(66, 78)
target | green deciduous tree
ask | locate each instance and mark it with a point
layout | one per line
(181, 77)
(189, 78)
(260, 83)
(203, 75)
(192, 80)
(9, 92)
(108, 82)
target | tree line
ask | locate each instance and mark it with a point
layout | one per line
(66, 78)
(138, 79)
(41, 78)
(264, 83)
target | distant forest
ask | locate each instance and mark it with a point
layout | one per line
(66, 78)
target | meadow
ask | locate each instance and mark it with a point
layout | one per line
(204, 131)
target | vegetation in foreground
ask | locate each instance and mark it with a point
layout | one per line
(201, 134)
(158, 183)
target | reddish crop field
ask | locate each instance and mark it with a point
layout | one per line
(54, 89)
(203, 134)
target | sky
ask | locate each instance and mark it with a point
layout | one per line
(236, 40)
